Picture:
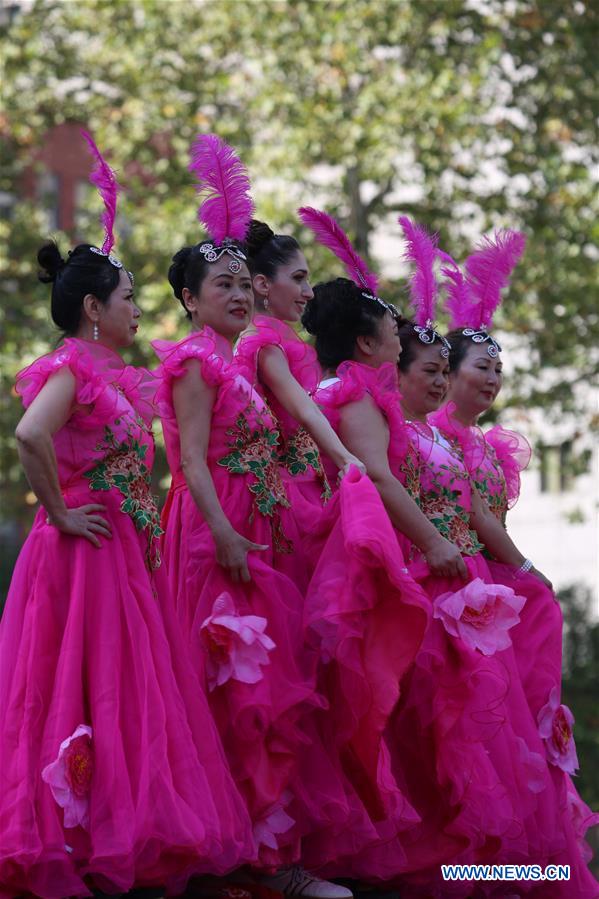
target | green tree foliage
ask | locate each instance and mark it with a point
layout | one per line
(469, 114)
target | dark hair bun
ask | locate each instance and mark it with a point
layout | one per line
(176, 272)
(50, 262)
(258, 236)
(337, 315)
(334, 301)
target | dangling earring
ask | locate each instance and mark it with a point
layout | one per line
(96, 331)
(266, 301)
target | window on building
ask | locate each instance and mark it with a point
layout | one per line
(48, 193)
(557, 470)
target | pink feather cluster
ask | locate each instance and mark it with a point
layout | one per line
(227, 207)
(473, 299)
(459, 303)
(330, 234)
(104, 179)
(422, 251)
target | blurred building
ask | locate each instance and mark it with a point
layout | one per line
(57, 178)
(556, 519)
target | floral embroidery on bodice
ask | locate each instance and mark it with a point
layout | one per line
(494, 458)
(253, 443)
(244, 438)
(299, 454)
(489, 480)
(445, 487)
(107, 443)
(407, 471)
(124, 468)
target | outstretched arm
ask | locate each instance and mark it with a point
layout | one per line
(274, 372)
(364, 429)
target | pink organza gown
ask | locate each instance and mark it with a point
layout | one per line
(481, 771)
(247, 639)
(111, 770)
(364, 615)
(301, 468)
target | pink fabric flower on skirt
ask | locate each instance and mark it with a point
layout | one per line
(275, 820)
(69, 777)
(555, 727)
(236, 645)
(480, 614)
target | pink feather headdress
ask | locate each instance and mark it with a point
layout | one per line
(473, 298)
(330, 234)
(104, 179)
(421, 250)
(222, 180)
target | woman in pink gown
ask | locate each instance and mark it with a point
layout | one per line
(111, 770)
(227, 521)
(284, 368)
(463, 741)
(358, 592)
(495, 459)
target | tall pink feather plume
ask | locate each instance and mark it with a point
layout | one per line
(227, 207)
(422, 252)
(460, 303)
(330, 234)
(104, 179)
(488, 270)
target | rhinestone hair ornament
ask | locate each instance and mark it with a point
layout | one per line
(473, 297)
(421, 250)
(226, 206)
(330, 234)
(104, 179)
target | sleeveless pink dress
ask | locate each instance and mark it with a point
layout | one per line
(111, 770)
(247, 639)
(495, 459)
(473, 761)
(299, 460)
(363, 613)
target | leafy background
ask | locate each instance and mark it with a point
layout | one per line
(469, 114)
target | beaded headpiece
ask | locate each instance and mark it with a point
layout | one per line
(422, 251)
(226, 207)
(473, 298)
(330, 234)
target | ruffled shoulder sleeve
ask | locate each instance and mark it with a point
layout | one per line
(96, 369)
(513, 453)
(30, 380)
(212, 353)
(355, 381)
(470, 439)
(301, 357)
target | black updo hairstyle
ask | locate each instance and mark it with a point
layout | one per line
(72, 279)
(410, 343)
(337, 315)
(189, 268)
(267, 250)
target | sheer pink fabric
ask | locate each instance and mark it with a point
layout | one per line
(88, 638)
(465, 744)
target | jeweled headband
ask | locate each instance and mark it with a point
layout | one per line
(212, 253)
